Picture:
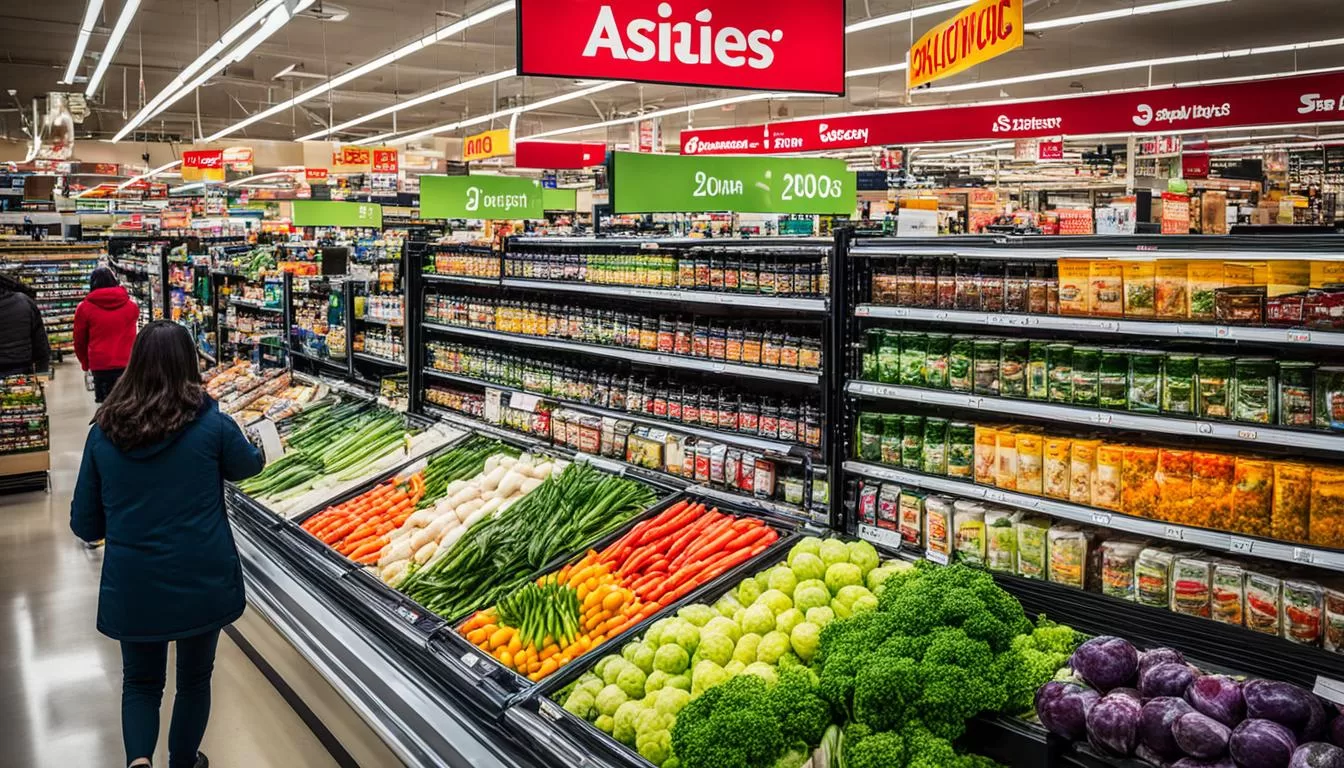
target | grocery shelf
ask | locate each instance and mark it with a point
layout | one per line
(1149, 248)
(724, 298)
(394, 323)
(1256, 434)
(749, 441)
(638, 356)
(380, 360)
(255, 305)
(1214, 540)
(1290, 336)
(430, 277)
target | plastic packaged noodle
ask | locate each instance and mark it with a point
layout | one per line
(912, 518)
(914, 352)
(986, 453)
(889, 359)
(1005, 451)
(1153, 575)
(1001, 539)
(889, 507)
(1145, 382)
(1055, 467)
(934, 460)
(986, 367)
(1296, 406)
(968, 526)
(1227, 602)
(1067, 545)
(892, 431)
(1082, 469)
(1264, 602)
(1086, 376)
(1119, 568)
(1191, 584)
(961, 363)
(867, 511)
(1059, 364)
(1334, 620)
(870, 436)
(1030, 462)
(1113, 380)
(1213, 475)
(912, 442)
(1033, 547)
(960, 449)
(1291, 516)
(1108, 482)
(938, 528)
(936, 360)
(1327, 507)
(1215, 387)
(1038, 379)
(1303, 609)
(1174, 479)
(1139, 491)
(1179, 384)
(1252, 496)
(1256, 390)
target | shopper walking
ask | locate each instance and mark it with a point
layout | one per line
(23, 337)
(151, 483)
(104, 331)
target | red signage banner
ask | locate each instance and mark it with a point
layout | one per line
(203, 165)
(318, 175)
(1050, 150)
(559, 155)
(1282, 101)
(385, 161)
(793, 45)
(1195, 165)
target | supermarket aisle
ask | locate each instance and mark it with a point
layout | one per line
(60, 679)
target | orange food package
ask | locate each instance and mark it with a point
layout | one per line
(1139, 491)
(1108, 481)
(1252, 496)
(1327, 507)
(1290, 519)
(1175, 496)
(1213, 477)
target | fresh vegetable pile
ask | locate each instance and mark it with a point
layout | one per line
(1159, 708)
(545, 625)
(501, 552)
(362, 527)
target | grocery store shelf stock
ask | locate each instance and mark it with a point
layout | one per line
(703, 365)
(431, 277)
(380, 360)
(723, 298)
(1213, 540)
(1257, 434)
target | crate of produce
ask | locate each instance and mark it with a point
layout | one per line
(600, 597)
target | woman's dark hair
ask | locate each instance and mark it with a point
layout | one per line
(102, 277)
(14, 285)
(159, 393)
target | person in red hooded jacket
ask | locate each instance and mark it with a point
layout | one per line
(105, 330)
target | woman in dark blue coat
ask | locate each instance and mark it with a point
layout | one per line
(151, 484)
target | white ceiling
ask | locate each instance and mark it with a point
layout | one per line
(166, 35)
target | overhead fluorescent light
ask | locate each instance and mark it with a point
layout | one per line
(1119, 13)
(898, 67)
(1139, 64)
(149, 175)
(415, 102)
(113, 43)
(662, 113)
(351, 74)
(549, 102)
(82, 41)
(897, 18)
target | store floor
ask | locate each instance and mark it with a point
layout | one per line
(60, 681)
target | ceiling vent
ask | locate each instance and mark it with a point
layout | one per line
(324, 12)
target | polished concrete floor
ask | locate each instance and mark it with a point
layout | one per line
(60, 679)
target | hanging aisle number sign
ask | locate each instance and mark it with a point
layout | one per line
(644, 183)
(480, 197)
(485, 145)
(327, 213)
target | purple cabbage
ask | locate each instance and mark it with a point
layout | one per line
(1219, 697)
(1337, 731)
(1155, 721)
(1317, 755)
(1159, 656)
(1113, 724)
(1286, 704)
(1260, 743)
(1195, 762)
(1106, 662)
(1169, 678)
(1063, 708)
(1199, 735)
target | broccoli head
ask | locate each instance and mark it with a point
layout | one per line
(881, 750)
(956, 596)
(796, 703)
(747, 723)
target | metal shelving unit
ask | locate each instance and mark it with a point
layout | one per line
(787, 303)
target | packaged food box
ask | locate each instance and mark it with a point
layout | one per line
(1174, 485)
(934, 461)
(1005, 452)
(1287, 276)
(1067, 545)
(1108, 479)
(1086, 373)
(1139, 491)
(960, 449)
(1191, 585)
(1001, 539)
(1255, 396)
(1204, 277)
(914, 352)
(1145, 382)
(889, 359)
(1296, 406)
(986, 453)
(1240, 306)
(1030, 462)
(936, 361)
(1324, 273)
(1252, 496)
(938, 528)
(1113, 380)
(867, 511)
(912, 518)
(1038, 378)
(1215, 386)
(1303, 611)
(1056, 461)
(1119, 568)
(969, 537)
(889, 507)
(1153, 574)
(1059, 365)
(1214, 475)
(1107, 285)
(1140, 279)
(1327, 507)
(1013, 355)
(912, 442)
(1264, 602)
(1329, 386)
(1082, 470)
(961, 363)
(1291, 516)
(1075, 276)
(1179, 384)
(1171, 286)
(1227, 602)
(1033, 548)
(1334, 620)
(893, 430)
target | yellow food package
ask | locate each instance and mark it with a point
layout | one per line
(986, 447)
(1140, 288)
(1172, 286)
(1074, 276)
(1323, 273)
(1106, 284)
(1005, 451)
(1282, 277)
(1082, 468)
(1108, 481)
(1030, 462)
(1204, 277)
(1058, 457)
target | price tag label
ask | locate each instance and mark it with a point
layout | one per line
(1329, 689)
(1204, 428)
(1222, 332)
(862, 311)
(1299, 337)
(1304, 555)
(523, 402)
(409, 615)
(1108, 325)
(939, 315)
(718, 367)
(882, 537)
(1101, 418)
(545, 707)
(1174, 532)
(936, 557)
(1242, 544)
(1248, 434)
(1101, 518)
(269, 437)
(997, 496)
(469, 660)
(975, 402)
(995, 319)
(648, 246)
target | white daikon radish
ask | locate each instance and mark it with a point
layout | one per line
(543, 470)
(505, 506)
(491, 462)
(491, 481)
(507, 461)
(510, 484)
(423, 554)
(454, 487)
(450, 537)
(488, 507)
(465, 510)
(420, 518)
(394, 571)
(529, 485)
(430, 532)
(400, 550)
(474, 518)
(465, 495)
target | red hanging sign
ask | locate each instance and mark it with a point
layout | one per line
(794, 45)
(203, 165)
(1195, 165)
(1282, 101)
(318, 175)
(1050, 150)
(385, 161)
(559, 154)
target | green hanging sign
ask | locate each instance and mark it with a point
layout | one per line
(331, 213)
(559, 199)
(480, 197)
(650, 183)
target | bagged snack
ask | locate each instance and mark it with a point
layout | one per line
(1067, 545)
(1119, 568)
(1005, 450)
(1001, 539)
(1214, 476)
(1140, 288)
(867, 511)
(1174, 485)
(1139, 490)
(1033, 548)
(986, 453)
(1055, 467)
(1191, 585)
(960, 449)
(912, 518)
(1264, 602)
(1327, 507)
(889, 507)
(938, 528)
(1153, 571)
(1082, 470)
(1290, 519)
(1303, 610)
(968, 526)
(1030, 462)
(1108, 483)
